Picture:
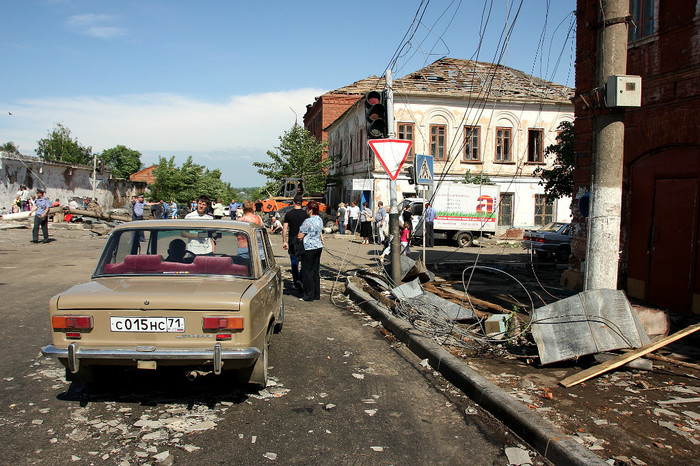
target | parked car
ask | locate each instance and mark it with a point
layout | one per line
(552, 239)
(203, 295)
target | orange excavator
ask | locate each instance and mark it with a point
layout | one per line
(290, 188)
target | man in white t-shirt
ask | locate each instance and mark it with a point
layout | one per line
(195, 244)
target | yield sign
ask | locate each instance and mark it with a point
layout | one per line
(391, 154)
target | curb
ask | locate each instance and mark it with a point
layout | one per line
(546, 438)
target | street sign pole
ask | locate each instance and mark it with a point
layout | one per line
(395, 250)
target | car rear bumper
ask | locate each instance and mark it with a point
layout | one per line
(73, 354)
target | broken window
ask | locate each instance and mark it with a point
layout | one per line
(405, 131)
(642, 12)
(544, 210)
(503, 144)
(438, 141)
(471, 143)
(534, 145)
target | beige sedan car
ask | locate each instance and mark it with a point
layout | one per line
(204, 295)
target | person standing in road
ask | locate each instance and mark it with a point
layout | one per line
(311, 233)
(232, 209)
(218, 209)
(340, 218)
(23, 196)
(290, 229)
(41, 216)
(366, 223)
(407, 217)
(249, 215)
(353, 217)
(173, 209)
(429, 224)
(381, 220)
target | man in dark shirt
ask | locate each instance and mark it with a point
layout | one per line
(290, 229)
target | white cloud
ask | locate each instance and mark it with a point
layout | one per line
(224, 135)
(95, 25)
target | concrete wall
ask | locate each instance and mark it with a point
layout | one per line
(61, 181)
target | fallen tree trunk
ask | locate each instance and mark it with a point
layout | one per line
(100, 215)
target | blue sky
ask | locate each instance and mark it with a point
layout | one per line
(222, 80)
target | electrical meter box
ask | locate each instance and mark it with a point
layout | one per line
(624, 91)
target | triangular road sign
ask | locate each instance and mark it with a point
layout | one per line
(391, 153)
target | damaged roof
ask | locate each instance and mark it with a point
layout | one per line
(455, 77)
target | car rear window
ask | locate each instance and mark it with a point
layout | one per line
(200, 251)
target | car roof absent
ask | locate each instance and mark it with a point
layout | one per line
(191, 223)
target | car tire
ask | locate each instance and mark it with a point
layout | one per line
(563, 253)
(464, 239)
(258, 376)
(330, 223)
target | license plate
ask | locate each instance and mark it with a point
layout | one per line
(147, 324)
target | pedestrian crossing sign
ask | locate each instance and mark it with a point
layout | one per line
(424, 169)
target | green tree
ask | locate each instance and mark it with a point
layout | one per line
(558, 181)
(122, 161)
(478, 178)
(60, 146)
(11, 148)
(186, 183)
(299, 155)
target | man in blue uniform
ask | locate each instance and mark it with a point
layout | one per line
(41, 216)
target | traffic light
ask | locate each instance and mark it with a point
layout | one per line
(375, 115)
(411, 175)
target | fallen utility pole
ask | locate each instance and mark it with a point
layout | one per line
(603, 242)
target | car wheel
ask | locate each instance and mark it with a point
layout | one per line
(463, 239)
(258, 377)
(563, 253)
(330, 223)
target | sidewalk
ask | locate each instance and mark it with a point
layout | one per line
(622, 417)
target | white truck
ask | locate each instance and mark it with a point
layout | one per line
(464, 211)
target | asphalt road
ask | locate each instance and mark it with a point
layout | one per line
(342, 391)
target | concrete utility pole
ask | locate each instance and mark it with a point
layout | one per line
(603, 246)
(395, 251)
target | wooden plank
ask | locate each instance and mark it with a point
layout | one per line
(678, 362)
(627, 357)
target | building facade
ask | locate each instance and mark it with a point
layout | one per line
(473, 118)
(660, 257)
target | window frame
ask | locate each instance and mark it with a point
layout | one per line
(434, 142)
(399, 133)
(510, 196)
(503, 158)
(642, 17)
(471, 133)
(540, 202)
(539, 157)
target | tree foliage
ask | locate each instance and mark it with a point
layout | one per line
(122, 161)
(60, 146)
(11, 148)
(299, 155)
(558, 181)
(477, 178)
(186, 183)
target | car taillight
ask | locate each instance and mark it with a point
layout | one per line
(217, 323)
(540, 240)
(71, 322)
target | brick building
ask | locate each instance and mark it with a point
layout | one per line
(660, 259)
(328, 107)
(146, 175)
